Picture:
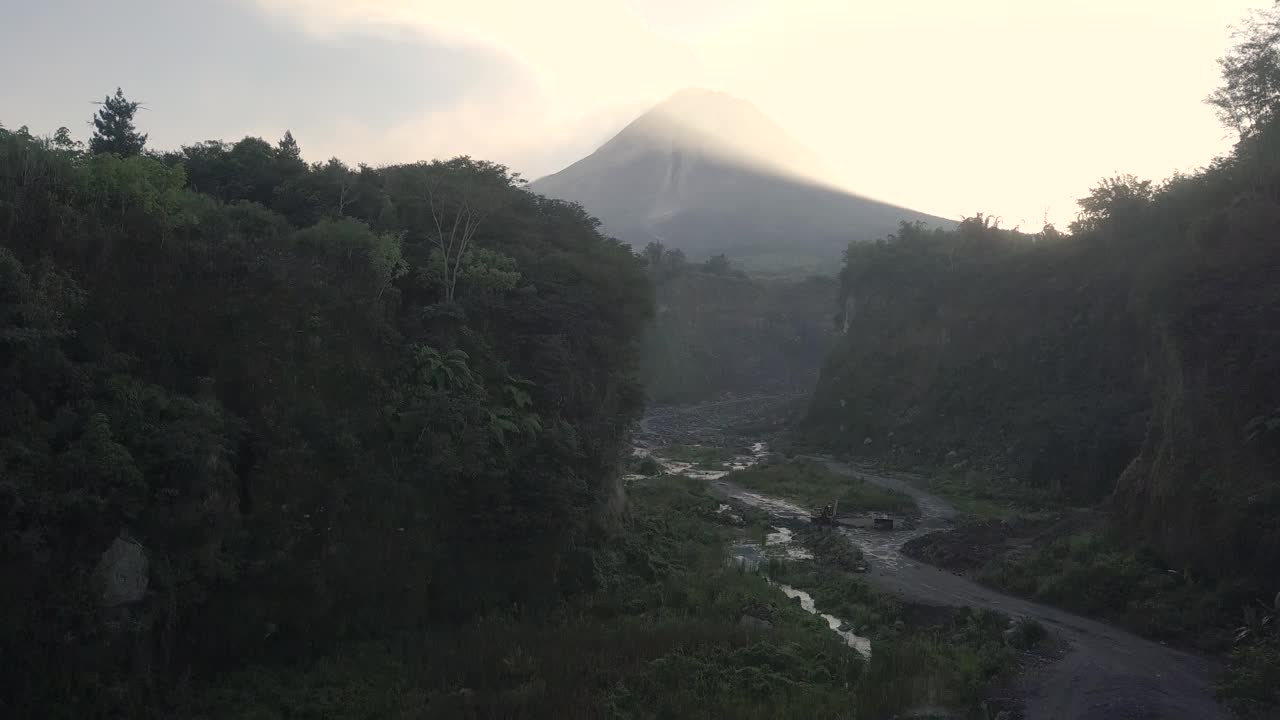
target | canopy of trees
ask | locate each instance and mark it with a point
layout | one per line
(320, 414)
(719, 331)
(1136, 360)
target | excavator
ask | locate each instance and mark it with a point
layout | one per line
(827, 516)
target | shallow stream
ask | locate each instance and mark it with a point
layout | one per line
(779, 543)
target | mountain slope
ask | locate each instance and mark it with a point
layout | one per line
(711, 174)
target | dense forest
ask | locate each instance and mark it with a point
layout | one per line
(253, 407)
(286, 439)
(719, 331)
(1134, 361)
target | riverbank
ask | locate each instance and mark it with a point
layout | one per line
(667, 628)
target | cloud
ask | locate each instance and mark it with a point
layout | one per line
(500, 127)
(1002, 106)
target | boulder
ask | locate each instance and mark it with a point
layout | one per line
(122, 573)
(866, 441)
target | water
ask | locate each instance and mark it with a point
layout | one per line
(857, 642)
(779, 543)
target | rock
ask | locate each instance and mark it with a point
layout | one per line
(952, 454)
(752, 622)
(1004, 715)
(866, 441)
(122, 573)
(899, 625)
(845, 627)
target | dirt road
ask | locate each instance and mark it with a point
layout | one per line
(1107, 674)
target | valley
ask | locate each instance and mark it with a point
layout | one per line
(363, 423)
(1103, 671)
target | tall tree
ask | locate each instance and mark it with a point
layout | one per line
(461, 196)
(287, 148)
(1250, 94)
(113, 128)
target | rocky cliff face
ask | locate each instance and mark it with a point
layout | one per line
(1026, 369)
(717, 335)
(1205, 485)
(1141, 371)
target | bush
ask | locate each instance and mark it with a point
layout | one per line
(649, 467)
(813, 485)
(1026, 634)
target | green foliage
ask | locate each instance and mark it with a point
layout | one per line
(1092, 574)
(1251, 686)
(920, 656)
(1250, 92)
(711, 456)
(814, 486)
(649, 467)
(982, 496)
(1028, 633)
(989, 341)
(718, 331)
(1116, 201)
(113, 129)
(251, 367)
(659, 635)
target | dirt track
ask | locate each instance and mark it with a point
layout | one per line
(1107, 674)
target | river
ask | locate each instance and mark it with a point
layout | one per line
(1106, 673)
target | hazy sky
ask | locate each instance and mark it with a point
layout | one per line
(1011, 107)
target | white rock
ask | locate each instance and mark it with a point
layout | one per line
(122, 573)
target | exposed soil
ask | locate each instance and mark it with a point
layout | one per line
(1106, 673)
(972, 545)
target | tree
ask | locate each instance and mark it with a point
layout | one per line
(113, 129)
(287, 148)
(653, 255)
(717, 265)
(1118, 198)
(1250, 95)
(462, 194)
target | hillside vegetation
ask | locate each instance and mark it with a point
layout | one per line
(252, 409)
(1133, 362)
(719, 331)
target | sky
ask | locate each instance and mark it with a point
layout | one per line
(1013, 108)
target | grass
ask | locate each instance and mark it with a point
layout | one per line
(948, 659)
(812, 485)
(1092, 574)
(705, 457)
(660, 637)
(989, 498)
(649, 467)
(1251, 685)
